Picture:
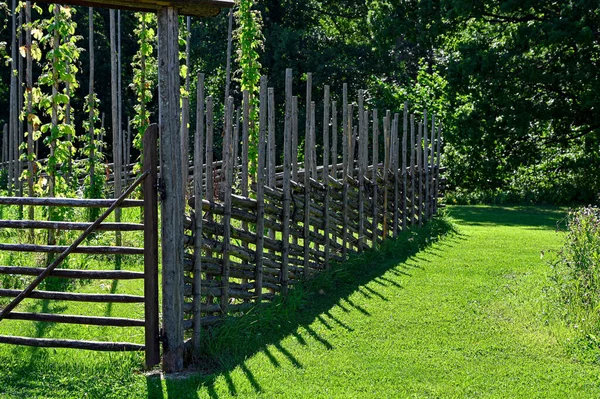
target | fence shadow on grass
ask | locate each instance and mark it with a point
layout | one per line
(227, 346)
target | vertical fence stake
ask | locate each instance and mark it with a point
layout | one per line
(361, 171)
(226, 190)
(326, 228)
(345, 161)
(245, 159)
(437, 166)
(426, 166)
(420, 173)
(431, 168)
(287, 197)
(375, 177)
(198, 196)
(404, 188)
(412, 169)
(295, 138)
(395, 163)
(172, 204)
(260, 187)
(334, 140)
(210, 182)
(151, 248)
(386, 171)
(306, 235)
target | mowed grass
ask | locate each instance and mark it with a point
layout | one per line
(435, 314)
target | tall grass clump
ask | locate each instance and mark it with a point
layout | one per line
(576, 274)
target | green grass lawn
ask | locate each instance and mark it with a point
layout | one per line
(461, 316)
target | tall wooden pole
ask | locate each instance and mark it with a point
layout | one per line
(185, 110)
(91, 102)
(13, 111)
(198, 196)
(20, 97)
(116, 129)
(172, 205)
(29, 81)
(228, 67)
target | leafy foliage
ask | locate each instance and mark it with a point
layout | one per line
(576, 277)
(59, 70)
(145, 71)
(250, 41)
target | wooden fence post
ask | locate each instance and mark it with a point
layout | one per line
(426, 165)
(287, 197)
(432, 168)
(420, 172)
(437, 166)
(198, 197)
(395, 156)
(307, 141)
(226, 191)
(404, 192)
(386, 171)
(245, 160)
(151, 247)
(260, 189)
(210, 181)
(412, 169)
(361, 171)
(171, 182)
(375, 177)
(345, 183)
(325, 172)
(334, 140)
(295, 138)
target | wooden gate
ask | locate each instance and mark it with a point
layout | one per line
(149, 276)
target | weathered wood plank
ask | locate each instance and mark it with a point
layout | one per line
(195, 8)
(57, 249)
(151, 308)
(75, 274)
(72, 319)
(173, 200)
(69, 202)
(76, 297)
(72, 344)
(42, 224)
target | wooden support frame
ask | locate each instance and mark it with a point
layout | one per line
(194, 8)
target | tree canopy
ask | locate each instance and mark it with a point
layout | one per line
(514, 82)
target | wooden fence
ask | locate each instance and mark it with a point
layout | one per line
(247, 240)
(149, 276)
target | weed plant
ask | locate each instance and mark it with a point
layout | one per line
(576, 276)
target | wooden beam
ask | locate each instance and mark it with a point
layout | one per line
(77, 274)
(71, 202)
(73, 344)
(41, 224)
(172, 205)
(152, 331)
(194, 8)
(72, 319)
(76, 297)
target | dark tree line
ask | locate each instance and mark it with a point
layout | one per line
(515, 82)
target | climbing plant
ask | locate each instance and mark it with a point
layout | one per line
(145, 71)
(59, 70)
(249, 41)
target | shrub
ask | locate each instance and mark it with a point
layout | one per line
(576, 271)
